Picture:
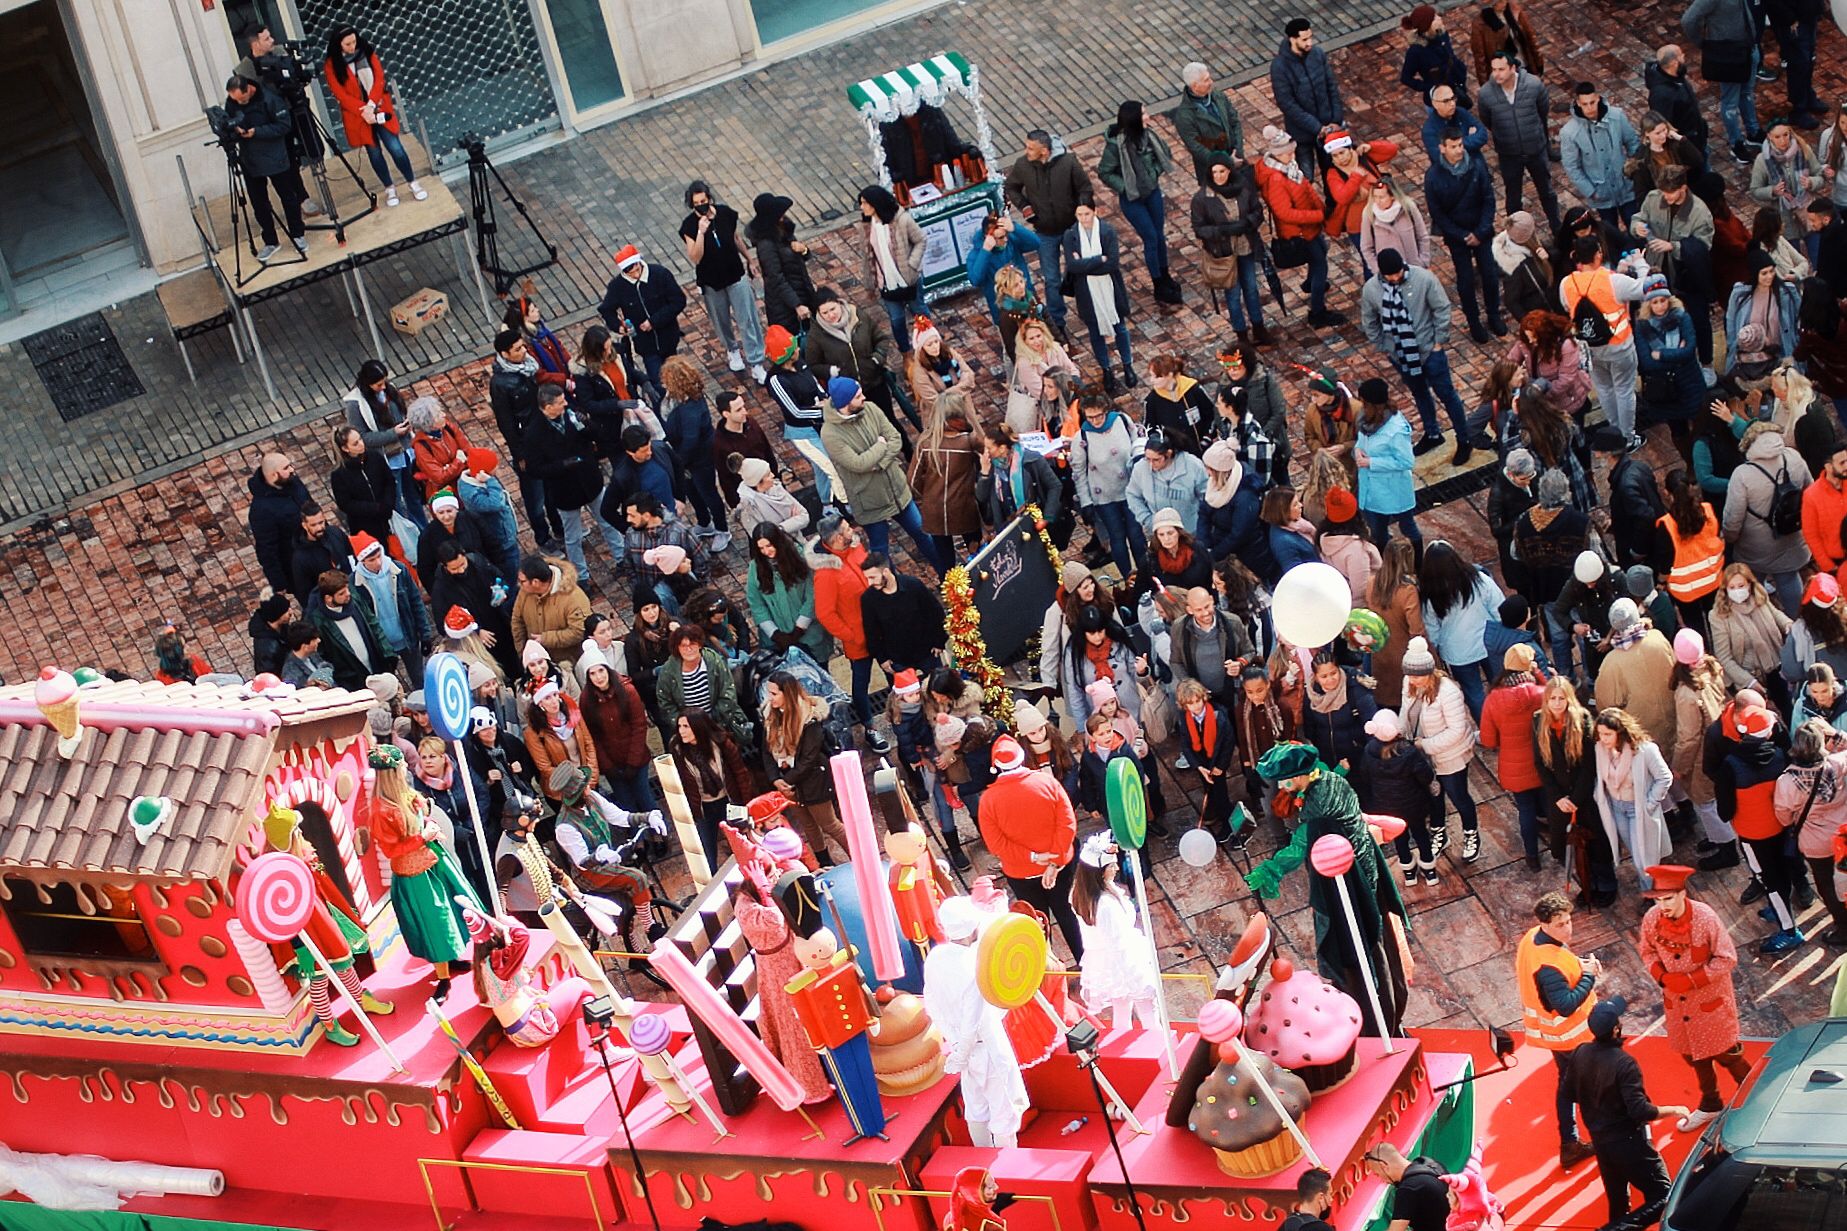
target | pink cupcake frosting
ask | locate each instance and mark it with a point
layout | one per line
(1301, 1020)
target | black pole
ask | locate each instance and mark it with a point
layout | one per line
(1109, 1124)
(641, 1175)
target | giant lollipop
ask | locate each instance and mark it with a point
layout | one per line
(1009, 970)
(275, 900)
(1310, 605)
(1128, 819)
(1332, 856)
(446, 692)
(1222, 1022)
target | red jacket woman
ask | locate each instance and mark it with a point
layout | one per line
(1293, 202)
(356, 80)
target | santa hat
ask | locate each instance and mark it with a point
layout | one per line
(906, 683)
(626, 256)
(1005, 754)
(444, 499)
(364, 545)
(923, 330)
(1339, 139)
(1757, 722)
(545, 692)
(481, 461)
(459, 624)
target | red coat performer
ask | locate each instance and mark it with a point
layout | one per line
(1690, 954)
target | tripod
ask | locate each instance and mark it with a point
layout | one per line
(241, 220)
(598, 1015)
(1082, 1041)
(487, 229)
(313, 140)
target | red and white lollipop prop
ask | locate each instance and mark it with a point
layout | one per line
(1222, 1022)
(275, 900)
(1332, 856)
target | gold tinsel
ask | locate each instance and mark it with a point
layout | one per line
(966, 646)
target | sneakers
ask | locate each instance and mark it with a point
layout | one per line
(1408, 867)
(301, 243)
(1573, 1152)
(416, 190)
(1439, 842)
(1427, 442)
(1635, 443)
(734, 359)
(721, 542)
(1694, 1121)
(1782, 942)
(1430, 872)
(1183, 761)
(876, 742)
(1471, 845)
(758, 374)
(1743, 154)
(267, 251)
(1767, 72)
(391, 195)
(1753, 892)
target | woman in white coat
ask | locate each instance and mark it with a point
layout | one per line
(1436, 718)
(1632, 787)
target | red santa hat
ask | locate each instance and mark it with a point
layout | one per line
(766, 807)
(545, 692)
(906, 683)
(459, 624)
(364, 545)
(1005, 754)
(626, 256)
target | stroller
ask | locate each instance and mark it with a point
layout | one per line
(754, 678)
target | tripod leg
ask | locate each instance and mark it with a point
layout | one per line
(359, 286)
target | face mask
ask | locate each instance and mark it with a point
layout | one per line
(1738, 594)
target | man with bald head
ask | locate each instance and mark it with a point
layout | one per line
(276, 500)
(1672, 96)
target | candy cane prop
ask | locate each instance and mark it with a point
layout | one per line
(875, 904)
(275, 899)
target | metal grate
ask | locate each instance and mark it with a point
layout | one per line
(457, 67)
(83, 367)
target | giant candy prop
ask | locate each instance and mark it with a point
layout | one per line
(882, 938)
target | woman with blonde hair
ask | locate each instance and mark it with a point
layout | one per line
(1326, 471)
(1436, 718)
(1043, 377)
(1391, 219)
(795, 756)
(1814, 436)
(1747, 634)
(1633, 782)
(1393, 595)
(946, 466)
(428, 889)
(1564, 746)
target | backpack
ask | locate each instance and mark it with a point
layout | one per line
(1588, 323)
(1785, 503)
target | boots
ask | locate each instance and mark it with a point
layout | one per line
(1429, 869)
(958, 859)
(1261, 335)
(1128, 376)
(1109, 383)
(1167, 291)
(1408, 869)
(1724, 855)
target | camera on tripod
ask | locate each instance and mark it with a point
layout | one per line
(286, 68)
(224, 128)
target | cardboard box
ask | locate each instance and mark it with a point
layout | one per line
(419, 312)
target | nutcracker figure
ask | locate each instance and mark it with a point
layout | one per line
(834, 1007)
(917, 887)
(1691, 956)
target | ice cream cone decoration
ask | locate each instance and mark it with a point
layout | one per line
(148, 815)
(57, 699)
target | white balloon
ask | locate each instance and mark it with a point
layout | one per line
(1310, 606)
(1197, 848)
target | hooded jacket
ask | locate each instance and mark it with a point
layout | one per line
(868, 453)
(1295, 205)
(267, 653)
(1424, 300)
(787, 284)
(1134, 173)
(839, 581)
(1676, 101)
(1179, 487)
(556, 618)
(1053, 189)
(1398, 785)
(654, 298)
(862, 348)
(1461, 199)
(942, 479)
(1306, 92)
(1230, 524)
(1748, 537)
(1188, 417)
(275, 516)
(1594, 151)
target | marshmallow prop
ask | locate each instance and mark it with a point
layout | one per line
(1332, 856)
(704, 1003)
(875, 904)
(1222, 1022)
(680, 808)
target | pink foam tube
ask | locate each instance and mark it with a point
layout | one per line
(875, 904)
(705, 1003)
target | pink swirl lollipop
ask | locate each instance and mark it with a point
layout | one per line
(1219, 1021)
(650, 1034)
(275, 896)
(1331, 855)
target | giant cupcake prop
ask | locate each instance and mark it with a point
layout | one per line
(1248, 1110)
(1306, 1024)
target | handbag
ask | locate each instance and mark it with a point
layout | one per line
(1290, 251)
(1158, 714)
(1659, 388)
(902, 294)
(1221, 271)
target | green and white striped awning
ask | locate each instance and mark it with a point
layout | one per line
(903, 90)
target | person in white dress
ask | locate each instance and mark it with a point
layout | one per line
(1118, 968)
(974, 1031)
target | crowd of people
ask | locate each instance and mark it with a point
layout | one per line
(1661, 646)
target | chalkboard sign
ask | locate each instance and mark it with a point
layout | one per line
(1013, 582)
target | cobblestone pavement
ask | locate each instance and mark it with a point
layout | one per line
(90, 587)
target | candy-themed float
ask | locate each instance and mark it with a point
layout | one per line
(222, 932)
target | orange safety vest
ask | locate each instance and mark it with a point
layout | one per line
(1544, 1028)
(1699, 558)
(1602, 292)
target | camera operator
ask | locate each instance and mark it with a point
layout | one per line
(267, 159)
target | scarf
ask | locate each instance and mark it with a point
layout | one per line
(1175, 561)
(1203, 732)
(564, 726)
(1619, 776)
(1290, 169)
(1766, 312)
(529, 368)
(1220, 489)
(1100, 287)
(442, 783)
(1630, 636)
(1330, 701)
(849, 317)
(1400, 330)
(1389, 214)
(881, 249)
(1513, 679)
(1099, 656)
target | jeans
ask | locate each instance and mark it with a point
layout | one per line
(702, 492)
(1124, 536)
(1617, 215)
(1360, 251)
(1738, 103)
(574, 540)
(1472, 678)
(1701, 312)
(1475, 267)
(1705, 1072)
(1100, 348)
(1515, 167)
(878, 536)
(1318, 275)
(410, 657)
(902, 312)
(1627, 821)
(1244, 302)
(1787, 587)
(1149, 218)
(1612, 375)
(807, 442)
(1380, 525)
(862, 689)
(733, 313)
(1431, 384)
(1795, 42)
(1456, 789)
(289, 190)
(1527, 804)
(547, 526)
(1051, 273)
(388, 141)
(630, 790)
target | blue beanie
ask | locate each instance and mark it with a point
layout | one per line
(841, 391)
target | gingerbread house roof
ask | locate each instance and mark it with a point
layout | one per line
(205, 747)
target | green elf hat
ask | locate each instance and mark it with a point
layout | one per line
(1287, 761)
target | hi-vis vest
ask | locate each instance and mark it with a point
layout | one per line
(1544, 1027)
(1699, 558)
(1596, 285)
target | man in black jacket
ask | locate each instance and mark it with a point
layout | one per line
(276, 500)
(1826, 223)
(1461, 197)
(1635, 498)
(1047, 188)
(904, 620)
(1302, 82)
(513, 393)
(1606, 1083)
(466, 580)
(1672, 96)
(644, 301)
(561, 453)
(319, 546)
(266, 627)
(263, 126)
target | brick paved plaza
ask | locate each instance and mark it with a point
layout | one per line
(137, 513)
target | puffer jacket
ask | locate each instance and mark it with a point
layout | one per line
(1517, 123)
(1594, 151)
(1232, 527)
(1180, 487)
(1461, 199)
(1101, 460)
(1748, 537)
(868, 353)
(839, 581)
(1340, 735)
(1676, 99)
(1442, 727)
(1398, 785)
(1294, 204)
(1306, 92)
(868, 453)
(1696, 707)
(1356, 559)
(1507, 724)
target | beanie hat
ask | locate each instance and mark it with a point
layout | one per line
(1341, 504)
(444, 499)
(959, 917)
(1654, 286)
(481, 461)
(414, 703)
(1168, 517)
(667, 558)
(459, 624)
(644, 595)
(1073, 574)
(778, 344)
(949, 729)
(1005, 753)
(923, 330)
(1624, 615)
(1384, 725)
(1027, 719)
(1588, 568)
(1221, 455)
(480, 718)
(753, 470)
(1099, 691)
(479, 673)
(1275, 140)
(364, 545)
(1375, 392)
(1638, 579)
(841, 390)
(1689, 647)
(1521, 228)
(273, 608)
(1421, 19)
(534, 651)
(1390, 261)
(1519, 657)
(626, 256)
(1751, 344)
(1418, 660)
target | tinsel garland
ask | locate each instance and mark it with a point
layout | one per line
(966, 645)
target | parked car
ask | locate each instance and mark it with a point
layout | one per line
(1777, 1159)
